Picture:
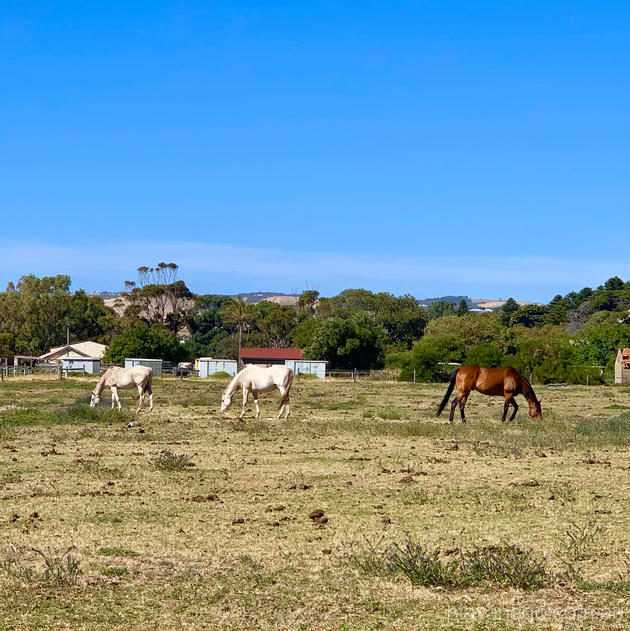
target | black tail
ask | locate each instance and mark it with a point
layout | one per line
(449, 390)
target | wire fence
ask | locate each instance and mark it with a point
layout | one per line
(372, 375)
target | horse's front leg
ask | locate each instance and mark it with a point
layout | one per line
(115, 398)
(245, 395)
(513, 402)
(509, 400)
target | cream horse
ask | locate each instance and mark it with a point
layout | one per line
(257, 379)
(117, 378)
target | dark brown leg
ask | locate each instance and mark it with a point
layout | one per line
(462, 405)
(453, 406)
(513, 402)
(509, 400)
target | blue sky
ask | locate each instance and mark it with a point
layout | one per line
(423, 147)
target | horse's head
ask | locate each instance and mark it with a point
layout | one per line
(535, 411)
(226, 401)
(95, 399)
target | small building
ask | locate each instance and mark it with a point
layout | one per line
(622, 366)
(210, 366)
(79, 349)
(155, 364)
(270, 356)
(291, 357)
(25, 360)
(88, 365)
(307, 367)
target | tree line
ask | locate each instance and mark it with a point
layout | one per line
(571, 338)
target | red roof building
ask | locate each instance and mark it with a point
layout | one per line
(270, 355)
(622, 366)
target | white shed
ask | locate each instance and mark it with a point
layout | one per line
(307, 367)
(209, 366)
(156, 364)
(88, 365)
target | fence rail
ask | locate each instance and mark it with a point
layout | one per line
(373, 375)
(22, 371)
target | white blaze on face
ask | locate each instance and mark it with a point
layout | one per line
(94, 400)
(225, 402)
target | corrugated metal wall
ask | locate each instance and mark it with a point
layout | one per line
(155, 364)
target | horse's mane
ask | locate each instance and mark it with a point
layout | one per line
(530, 391)
(233, 385)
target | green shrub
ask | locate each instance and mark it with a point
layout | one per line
(62, 570)
(389, 414)
(116, 552)
(168, 461)
(115, 571)
(488, 355)
(506, 565)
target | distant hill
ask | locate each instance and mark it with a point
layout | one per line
(106, 295)
(118, 302)
(473, 303)
(254, 297)
(454, 299)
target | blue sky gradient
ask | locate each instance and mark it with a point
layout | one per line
(423, 147)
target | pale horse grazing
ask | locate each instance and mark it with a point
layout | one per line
(117, 378)
(257, 379)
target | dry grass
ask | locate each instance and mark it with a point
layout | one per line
(258, 530)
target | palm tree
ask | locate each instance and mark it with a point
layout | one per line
(239, 314)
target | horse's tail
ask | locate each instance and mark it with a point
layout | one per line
(149, 383)
(449, 390)
(285, 398)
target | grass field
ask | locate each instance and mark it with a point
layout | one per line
(188, 520)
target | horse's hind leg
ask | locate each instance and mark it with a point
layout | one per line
(148, 389)
(453, 406)
(255, 395)
(140, 398)
(284, 402)
(462, 405)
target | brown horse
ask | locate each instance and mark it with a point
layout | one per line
(503, 381)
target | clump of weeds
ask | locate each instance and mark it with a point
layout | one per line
(169, 461)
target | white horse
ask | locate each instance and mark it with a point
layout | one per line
(257, 379)
(117, 378)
